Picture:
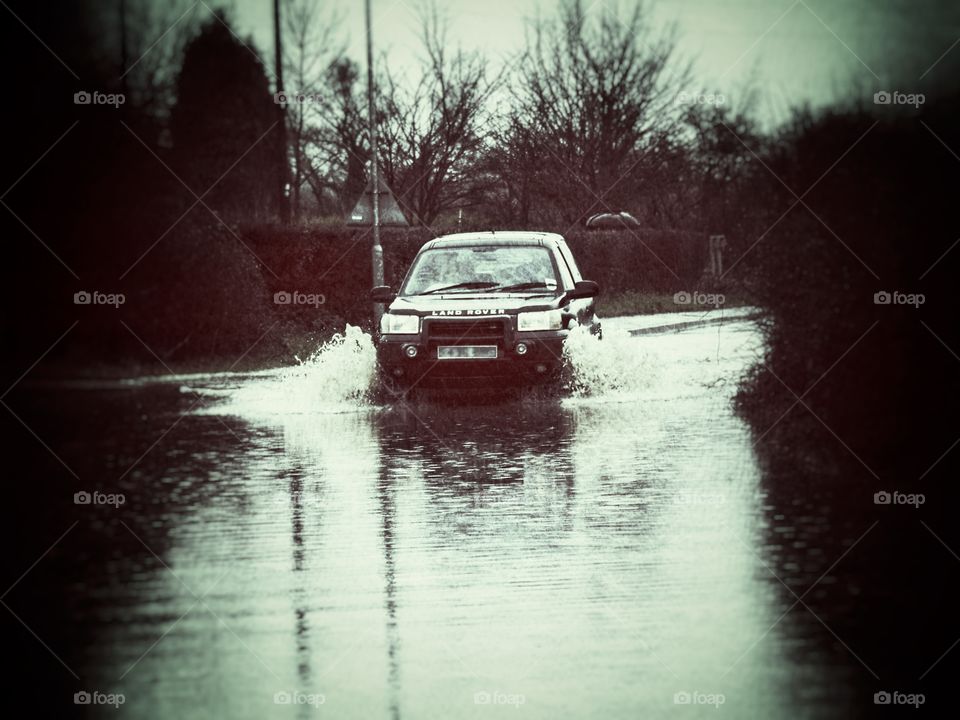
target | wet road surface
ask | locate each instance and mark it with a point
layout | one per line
(284, 550)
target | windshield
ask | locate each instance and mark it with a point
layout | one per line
(492, 268)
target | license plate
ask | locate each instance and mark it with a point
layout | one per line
(467, 352)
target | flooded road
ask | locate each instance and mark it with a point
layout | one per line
(284, 549)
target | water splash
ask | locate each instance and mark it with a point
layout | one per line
(616, 363)
(341, 369)
(338, 377)
(341, 375)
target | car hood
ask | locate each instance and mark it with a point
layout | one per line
(457, 304)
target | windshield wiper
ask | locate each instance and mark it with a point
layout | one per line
(525, 286)
(473, 285)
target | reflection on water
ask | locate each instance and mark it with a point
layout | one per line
(602, 556)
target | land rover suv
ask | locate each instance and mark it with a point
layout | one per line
(483, 309)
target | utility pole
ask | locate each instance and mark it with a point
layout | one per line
(377, 250)
(284, 170)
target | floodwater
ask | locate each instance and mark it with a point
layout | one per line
(287, 548)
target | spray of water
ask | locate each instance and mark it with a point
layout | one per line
(336, 378)
(599, 367)
(341, 376)
(342, 369)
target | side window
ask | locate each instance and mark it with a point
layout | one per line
(570, 262)
(566, 278)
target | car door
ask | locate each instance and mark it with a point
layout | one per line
(584, 309)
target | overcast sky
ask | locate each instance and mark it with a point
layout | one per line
(790, 51)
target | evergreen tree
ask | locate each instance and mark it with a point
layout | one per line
(224, 125)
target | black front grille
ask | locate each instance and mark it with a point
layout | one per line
(465, 330)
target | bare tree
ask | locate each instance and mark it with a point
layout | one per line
(433, 135)
(596, 119)
(722, 165)
(342, 144)
(310, 51)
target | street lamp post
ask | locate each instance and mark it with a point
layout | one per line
(377, 250)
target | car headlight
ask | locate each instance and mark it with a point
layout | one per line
(391, 324)
(541, 320)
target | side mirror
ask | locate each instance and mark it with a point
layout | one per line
(583, 289)
(382, 294)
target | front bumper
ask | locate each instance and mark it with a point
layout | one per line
(541, 361)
